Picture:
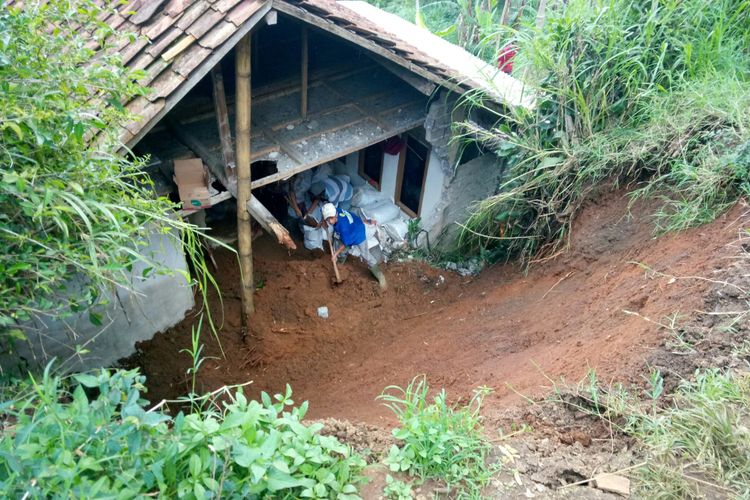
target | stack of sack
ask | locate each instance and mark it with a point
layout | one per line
(392, 227)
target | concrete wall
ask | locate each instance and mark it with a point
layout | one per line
(473, 181)
(150, 305)
(452, 191)
(434, 189)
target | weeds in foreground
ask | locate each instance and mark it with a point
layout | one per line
(439, 440)
(696, 442)
(91, 435)
(196, 356)
(701, 442)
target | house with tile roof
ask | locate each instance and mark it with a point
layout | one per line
(337, 88)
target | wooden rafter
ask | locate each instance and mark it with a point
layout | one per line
(222, 123)
(304, 72)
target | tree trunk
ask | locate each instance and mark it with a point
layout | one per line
(541, 13)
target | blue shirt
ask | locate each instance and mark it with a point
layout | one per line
(350, 227)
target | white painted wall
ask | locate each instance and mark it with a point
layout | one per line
(390, 173)
(434, 188)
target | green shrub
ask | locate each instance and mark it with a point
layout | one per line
(92, 436)
(438, 440)
(71, 206)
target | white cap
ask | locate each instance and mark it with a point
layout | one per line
(329, 210)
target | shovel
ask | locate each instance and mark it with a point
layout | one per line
(335, 265)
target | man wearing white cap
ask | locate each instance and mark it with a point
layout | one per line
(351, 231)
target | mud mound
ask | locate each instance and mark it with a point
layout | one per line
(595, 306)
(368, 440)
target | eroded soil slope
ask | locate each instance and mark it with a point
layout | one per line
(594, 306)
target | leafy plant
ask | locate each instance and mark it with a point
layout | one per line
(91, 435)
(438, 440)
(397, 490)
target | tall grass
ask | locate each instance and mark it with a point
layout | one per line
(629, 91)
(701, 440)
(479, 26)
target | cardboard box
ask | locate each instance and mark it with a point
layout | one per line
(192, 183)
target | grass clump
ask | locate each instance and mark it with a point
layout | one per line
(439, 441)
(92, 436)
(695, 441)
(695, 147)
(700, 444)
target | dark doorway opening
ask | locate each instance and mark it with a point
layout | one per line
(412, 173)
(371, 164)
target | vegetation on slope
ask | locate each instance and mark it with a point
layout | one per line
(634, 92)
(695, 442)
(480, 26)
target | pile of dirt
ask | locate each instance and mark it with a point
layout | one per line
(370, 441)
(717, 336)
(593, 307)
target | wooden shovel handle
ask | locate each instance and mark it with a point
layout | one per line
(335, 266)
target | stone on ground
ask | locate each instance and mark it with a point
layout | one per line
(613, 484)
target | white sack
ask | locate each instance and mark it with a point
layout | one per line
(313, 237)
(383, 212)
(396, 230)
(366, 195)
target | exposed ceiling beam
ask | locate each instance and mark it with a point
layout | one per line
(201, 71)
(331, 27)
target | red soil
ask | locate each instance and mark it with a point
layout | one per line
(503, 329)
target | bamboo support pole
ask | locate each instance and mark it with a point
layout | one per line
(222, 122)
(541, 14)
(505, 13)
(244, 230)
(304, 72)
